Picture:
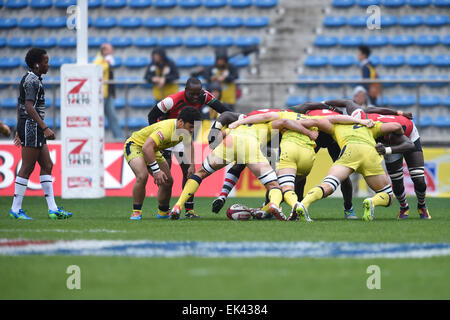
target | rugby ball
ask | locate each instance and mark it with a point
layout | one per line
(238, 212)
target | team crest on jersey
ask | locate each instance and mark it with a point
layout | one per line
(160, 135)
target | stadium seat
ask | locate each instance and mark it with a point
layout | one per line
(436, 20)
(30, 22)
(207, 61)
(105, 22)
(334, 78)
(446, 101)
(442, 60)
(441, 122)
(145, 42)
(8, 23)
(388, 77)
(206, 22)
(155, 22)
(221, 41)
(171, 42)
(196, 42)
(357, 21)
(136, 62)
(419, 3)
(231, 22)
(256, 22)
(10, 122)
(429, 101)
(126, 81)
(139, 4)
(68, 42)
(214, 4)
(410, 77)
(355, 78)
(2, 86)
(323, 98)
(377, 41)
(130, 22)
(16, 4)
(180, 22)
(295, 100)
(164, 4)
(19, 42)
(325, 41)
(3, 42)
(142, 103)
(265, 4)
(45, 42)
(133, 123)
(402, 40)
(441, 3)
(114, 4)
(189, 4)
(55, 22)
(48, 85)
(63, 4)
(94, 42)
(41, 4)
(186, 61)
(316, 61)
(10, 62)
(426, 40)
(446, 40)
(307, 78)
(93, 4)
(121, 42)
(410, 21)
(239, 4)
(334, 21)
(119, 102)
(9, 103)
(425, 121)
(240, 61)
(342, 61)
(57, 62)
(366, 3)
(247, 41)
(419, 61)
(387, 21)
(394, 3)
(402, 101)
(351, 41)
(343, 3)
(438, 84)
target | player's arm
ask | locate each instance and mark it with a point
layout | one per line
(388, 112)
(218, 106)
(257, 118)
(348, 104)
(307, 106)
(297, 125)
(148, 149)
(215, 133)
(29, 107)
(4, 129)
(343, 119)
(398, 144)
(159, 110)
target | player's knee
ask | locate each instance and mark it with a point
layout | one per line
(387, 189)
(141, 178)
(418, 178)
(269, 179)
(286, 182)
(26, 170)
(47, 167)
(330, 184)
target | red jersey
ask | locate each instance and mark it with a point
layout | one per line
(407, 124)
(261, 111)
(174, 103)
(322, 112)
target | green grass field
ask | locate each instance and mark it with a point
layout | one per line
(44, 277)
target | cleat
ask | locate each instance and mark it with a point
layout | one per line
(294, 215)
(350, 214)
(276, 211)
(368, 209)
(404, 213)
(303, 213)
(163, 216)
(21, 215)
(136, 215)
(258, 214)
(190, 214)
(218, 204)
(59, 214)
(424, 214)
(175, 213)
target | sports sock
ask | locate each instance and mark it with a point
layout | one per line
(290, 197)
(381, 199)
(228, 185)
(47, 186)
(189, 190)
(313, 195)
(275, 196)
(19, 192)
(402, 199)
(189, 205)
(163, 210)
(137, 208)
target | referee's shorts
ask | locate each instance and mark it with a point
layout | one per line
(30, 134)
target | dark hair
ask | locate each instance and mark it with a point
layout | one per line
(34, 55)
(193, 81)
(364, 50)
(190, 114)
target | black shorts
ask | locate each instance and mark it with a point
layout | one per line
(30, 134)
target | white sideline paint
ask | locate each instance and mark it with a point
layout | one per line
(63, 230)
(145, 248)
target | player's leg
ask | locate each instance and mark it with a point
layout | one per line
(300, 182)
(383, 195)
(394, 166)
(231, 179)
(139, 168)
(164, 191)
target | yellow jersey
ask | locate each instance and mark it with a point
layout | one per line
(162, 132)
(356, 134)
(297, 137)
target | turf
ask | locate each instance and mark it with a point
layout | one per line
(40, 277)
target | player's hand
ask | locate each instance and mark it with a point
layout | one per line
(368, 123)
(17, 141)
(234, 125)
(49, 134)
(160, 178)
(381, 149)
(408, 115)
(313, 134)
(4, 129)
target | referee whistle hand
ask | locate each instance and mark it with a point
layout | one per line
(381, 149)
(16, 140)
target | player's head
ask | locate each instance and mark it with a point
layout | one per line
(187, 118)
(360, 95)
(363, 52)
(37, 60)
(193, 90)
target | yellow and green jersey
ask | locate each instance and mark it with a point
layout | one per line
(162, 132)
(297, 137)
(356, 134)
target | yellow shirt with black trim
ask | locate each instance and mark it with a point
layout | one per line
(356, 134)
(162, 132)
(297, 137)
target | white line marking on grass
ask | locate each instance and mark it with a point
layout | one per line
(63, 230)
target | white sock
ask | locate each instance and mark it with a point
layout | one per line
(47, 186)
(19, 192)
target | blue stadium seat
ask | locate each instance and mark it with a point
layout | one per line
(435, 20)
(3, 42)
(105, 22)
(121, 42)
(265, 4)
(402, 40)
(171, 42)
(334, 21)
(410, 21)
(63, 4)
(155, 22)
(118, 61)
(119, 102)
(130, 22)
(387, 21)
(68, 42)
(189, 4)
(366, 3)
(325, 41)
(442, 60)
(164, 4)
(93, 4)
(9, 103)
(10, 62)
(136, 62)
(240, 4)
(114, 4)
(30, 22)
(425, 121)
(45, 42)
(221, 41)
(256, 22)
(47, 84)
(446, 40)
(316, 61)
(133, 123)
(8, 23)
(207, 61)
(342, 61)
(19, 42)
(393, 61)
(388, 77)
(441, 3)
(94, 42)
(49, 122)
(357, 21)
(57, 62)
(231, 22)
(334, 78)
(240, 61)
(402, 101)
(394, 3)
(16, 4)
(377, 41)
(55, 22)
(446, 101)
(142, 102)
(10, 122)
(438, 84)
(427, 40)
(180, 22)
(419, 3)
(351, 41)
(139, 4)
(186, 61)
(343, 3)
(196, 42)
(247, 41)
(323, 98)
(429, 101)
(410, 77)
(419, 61)
(126, 79)
(145, 42)
(4, 85)
(206, 22)
(214, 4)
(441, 122)
(41, 4)
(307, 78)
(295, 100)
